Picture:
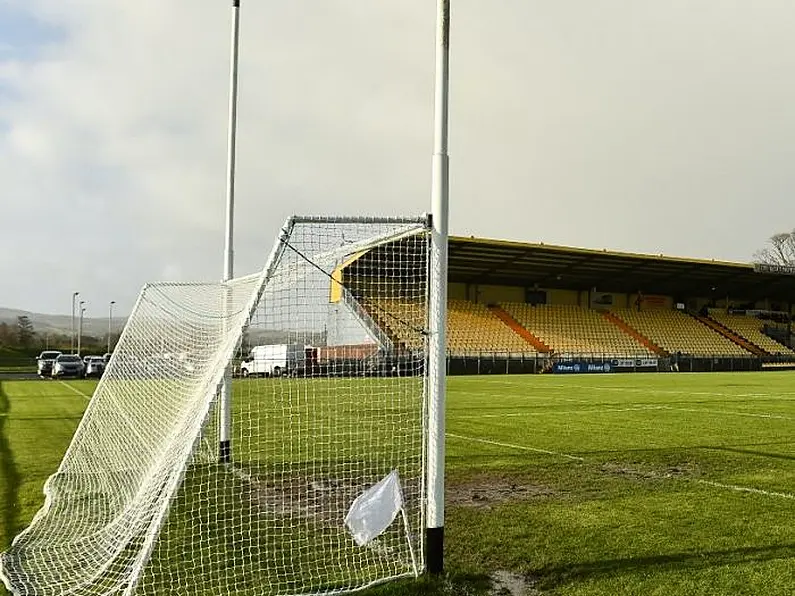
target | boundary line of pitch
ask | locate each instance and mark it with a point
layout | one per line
(75, 390)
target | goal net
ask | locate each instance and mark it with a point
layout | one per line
(323, 492)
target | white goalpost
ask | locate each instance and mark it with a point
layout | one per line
(325, 489)
(276, 434)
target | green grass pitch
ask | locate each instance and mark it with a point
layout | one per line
(667, 484)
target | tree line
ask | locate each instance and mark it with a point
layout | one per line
(22, 336)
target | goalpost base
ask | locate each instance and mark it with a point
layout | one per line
(434, 556)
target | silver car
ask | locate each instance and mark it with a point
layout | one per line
(45, 362)
(67, 365)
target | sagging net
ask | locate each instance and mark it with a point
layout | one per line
(326, 402)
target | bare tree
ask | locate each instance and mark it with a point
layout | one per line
(780, 250)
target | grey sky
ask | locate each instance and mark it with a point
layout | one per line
(662, 127)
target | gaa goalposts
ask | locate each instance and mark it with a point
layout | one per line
(326, 486)
(181, 480)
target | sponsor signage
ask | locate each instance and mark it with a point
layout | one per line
(635, 363)
(777, 269)
(581, 367)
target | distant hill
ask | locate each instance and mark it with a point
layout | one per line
(57, 324)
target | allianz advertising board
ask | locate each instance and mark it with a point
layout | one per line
(580, 367)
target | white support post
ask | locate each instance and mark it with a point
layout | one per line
(225, 433)
(437, 358)
(80, 328)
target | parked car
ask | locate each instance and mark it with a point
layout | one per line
(45, 361)
(89, 357)
(68, 365)
(94, 366)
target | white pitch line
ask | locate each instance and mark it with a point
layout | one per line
(532, 398)
(727, 412)
(80, 393)
(732, 487)
(746, 489)
(648, 391)
(640, 408)
(512, 446)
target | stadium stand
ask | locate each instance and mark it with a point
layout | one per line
(509, 298)
(569, 329)
(730, 335)
(642, 339)
(402, 320)
(749, 328)
(471, 328)
(675, 331)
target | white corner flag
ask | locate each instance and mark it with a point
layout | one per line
(373, 511)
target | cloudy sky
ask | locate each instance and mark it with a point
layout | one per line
(662, 127)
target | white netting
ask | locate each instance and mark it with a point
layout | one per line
(331, 404)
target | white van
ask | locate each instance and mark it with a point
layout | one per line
(277, 359)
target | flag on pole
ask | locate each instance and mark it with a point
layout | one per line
(373, 511)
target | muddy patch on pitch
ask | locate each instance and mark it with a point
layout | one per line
(507, 583)
(488, 492)
(323, 499)
(641, 471)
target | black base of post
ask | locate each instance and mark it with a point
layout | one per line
(224, 452)
(434, 550)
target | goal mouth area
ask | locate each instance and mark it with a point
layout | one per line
(141, 502)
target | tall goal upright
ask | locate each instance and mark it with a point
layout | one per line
(437, 318)
(337, 479)
(224, 439)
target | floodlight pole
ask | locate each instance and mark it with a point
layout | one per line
(437, 358)
(225, 434)
(80, 328)
(72, 338)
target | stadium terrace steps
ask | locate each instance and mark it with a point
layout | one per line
(401, 320)
(506, 318)
(749, 329)
(575, 330)
(730, 334)
(471, 327)
(519, 328)
(374, 326)
(642, 339)
(675, 332)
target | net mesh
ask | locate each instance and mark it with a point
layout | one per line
(325, 403)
